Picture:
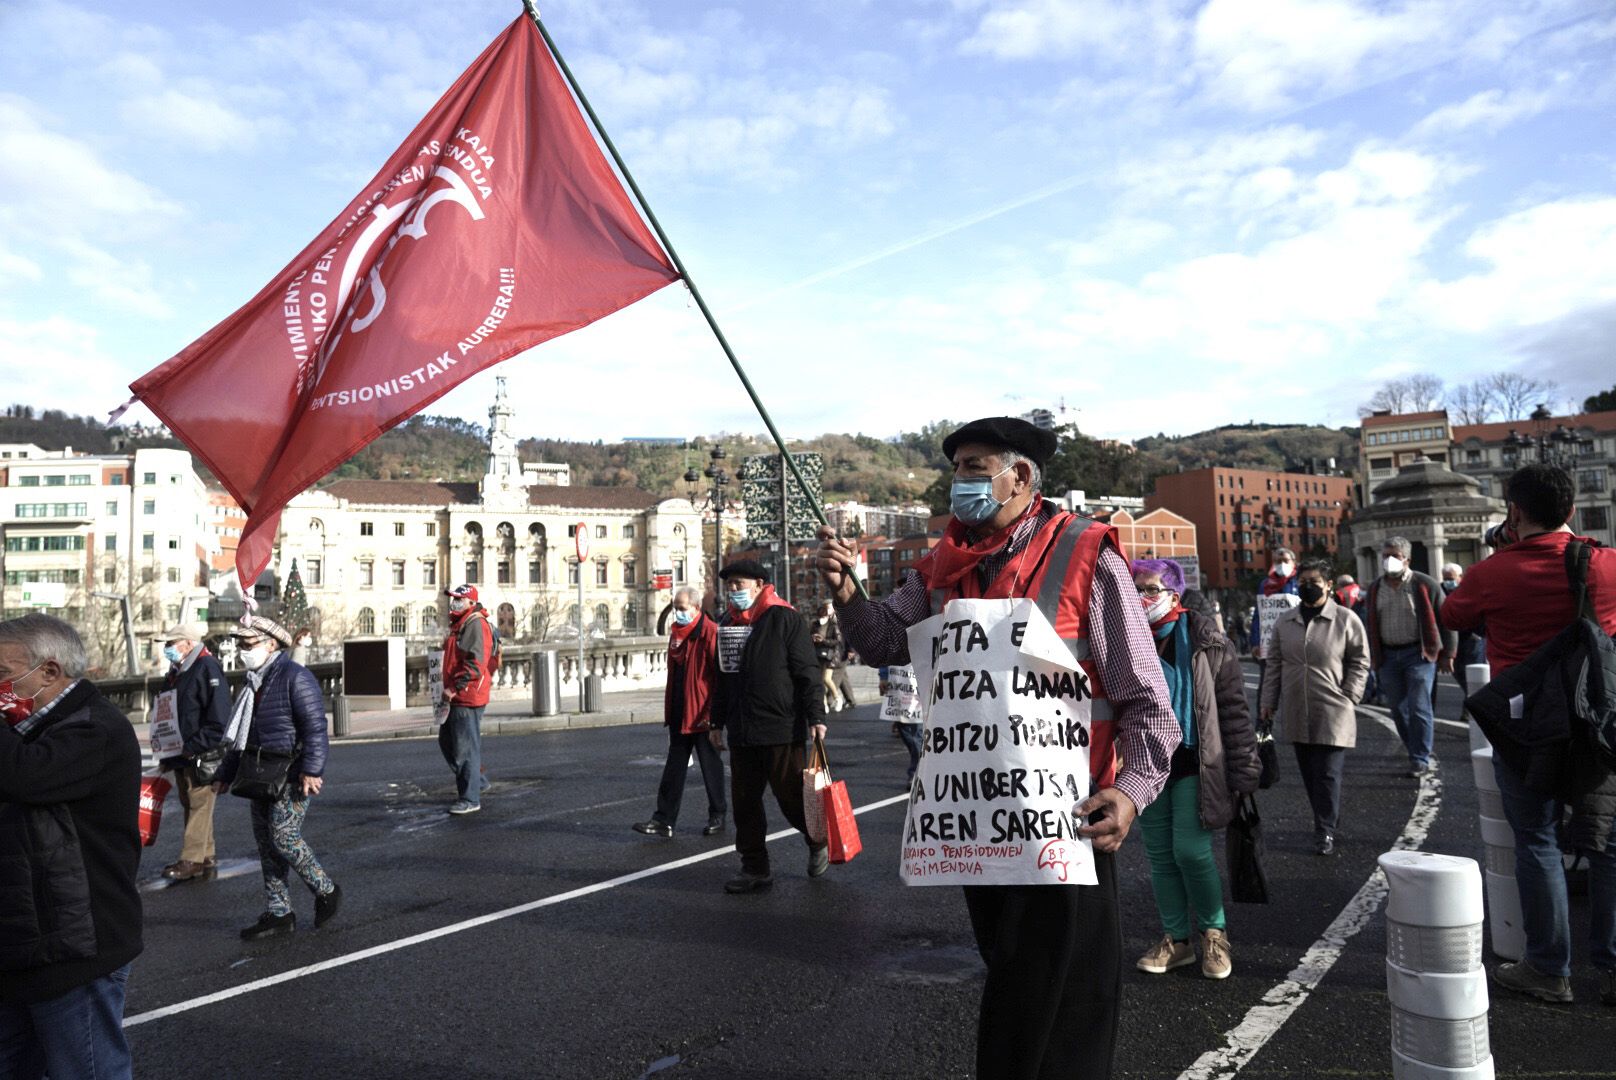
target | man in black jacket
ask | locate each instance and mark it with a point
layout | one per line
(69, 849)
(767, 697)
(202, 705)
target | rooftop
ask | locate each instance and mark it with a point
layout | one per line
(1499, 431)
(441, 493)
(1388, 419)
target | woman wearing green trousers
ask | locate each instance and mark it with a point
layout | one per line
(1216, 760)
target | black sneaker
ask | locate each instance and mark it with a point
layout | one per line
(714, 826)
(654, 828)
(1524, 979)
(326, 905)
(270, 925)
(1325, 845)
(748, 883)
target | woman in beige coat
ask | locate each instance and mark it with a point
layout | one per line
(1317, 666)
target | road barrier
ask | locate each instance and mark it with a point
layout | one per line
(1434, 977)
(1503, 896)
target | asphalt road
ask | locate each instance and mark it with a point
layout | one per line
(665, 975)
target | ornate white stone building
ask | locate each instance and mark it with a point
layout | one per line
(376, 555)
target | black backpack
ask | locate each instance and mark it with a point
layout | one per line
(1569, 683)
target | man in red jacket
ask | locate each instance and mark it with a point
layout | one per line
(687, 710)
(1522, 597)
(466, 683)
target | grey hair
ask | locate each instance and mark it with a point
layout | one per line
(1284, 553)
(1401, 543)
(46, 637)
(1008, 457)
(1455, 567)
(687, 592)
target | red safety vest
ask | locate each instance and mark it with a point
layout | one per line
(1064, 553)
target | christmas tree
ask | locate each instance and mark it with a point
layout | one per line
(294, 602)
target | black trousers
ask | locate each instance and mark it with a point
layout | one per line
(1054, 986)
(671, 792)
(1321, 768)
(752, 771)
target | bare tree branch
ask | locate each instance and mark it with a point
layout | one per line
(1516, 394)
(1471, 403)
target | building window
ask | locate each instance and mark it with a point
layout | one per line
(429, 572)
(505, 572)
(572, 531)
(399, 623)
(600, 572)
(432, 528)
(535, 572)
(398, 575)
(112, 506)
(398, 528)
(148, 542)
(1593, 517)
(109, 542)
(174, 579)
(600, 532)
(678, 570)
(629, 576)
(628, 532)
(315, 575)
(173, 613)
(1590, 479)
(146, 612)
(572, 571)
(109, 576)
(173, 543)
(367, 573)
(631, 617)
(472, 575)
(603, 617)
(366, 621)
(79, 480)
(28, 481)
(367, 528)
(429, 621)
(148, 478)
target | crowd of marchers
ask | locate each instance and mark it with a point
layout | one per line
(1174, 750)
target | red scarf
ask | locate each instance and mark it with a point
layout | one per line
(955, 556)
(680, 633)
(766, 599)
(1170, 617)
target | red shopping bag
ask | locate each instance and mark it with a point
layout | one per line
(153, 790)
(841, 828)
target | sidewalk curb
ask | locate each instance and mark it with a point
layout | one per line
(512, 725)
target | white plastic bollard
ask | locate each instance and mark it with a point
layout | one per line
(1505, 925)
(1434, 976)
(1477, 676)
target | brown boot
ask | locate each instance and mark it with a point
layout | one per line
(184, 870)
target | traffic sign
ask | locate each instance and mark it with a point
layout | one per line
(580, 540)
(44, 594)
(662, 579)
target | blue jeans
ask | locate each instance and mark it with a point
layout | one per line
(1406, 677)
(461, 740)
(79, 1034)
(913, 736)
(1540, 876)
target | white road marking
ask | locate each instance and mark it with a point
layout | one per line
(459, 927)
(1242, 1042)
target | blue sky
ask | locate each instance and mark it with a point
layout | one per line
(1164, 215)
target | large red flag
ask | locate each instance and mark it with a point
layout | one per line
(497, 224)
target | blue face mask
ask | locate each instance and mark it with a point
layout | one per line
(740, 600)
(971, 500)
(173, 654)
(684, 618)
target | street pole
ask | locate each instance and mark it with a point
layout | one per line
(785, 535)
(678, 264)
(580, 635)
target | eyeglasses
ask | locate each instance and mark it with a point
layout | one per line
(1152, 590)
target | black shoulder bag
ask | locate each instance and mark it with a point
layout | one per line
(262, 774)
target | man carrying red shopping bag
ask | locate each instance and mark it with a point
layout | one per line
(767, 699)
(1048, 727)
(828, 807)
(69, 830)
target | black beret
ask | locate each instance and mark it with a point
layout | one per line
(1005, 432)
(747, 568)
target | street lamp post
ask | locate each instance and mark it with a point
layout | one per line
(719, 477)
(1557, 447)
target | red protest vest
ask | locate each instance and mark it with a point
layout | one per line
(1064, 554)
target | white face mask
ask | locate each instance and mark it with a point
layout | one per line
(254, 658)
(457, 606)
(1393, 565)
(1159, 607)
(1284, 569)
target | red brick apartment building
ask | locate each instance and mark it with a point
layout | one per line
(1242, 514)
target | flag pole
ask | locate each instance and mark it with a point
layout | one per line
(678, 264)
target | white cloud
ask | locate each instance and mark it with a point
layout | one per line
(1064, 28)
(123, 284)
(1489, 110)
(59, 363)
(54, 182)
(198, 121)
(1544, 263)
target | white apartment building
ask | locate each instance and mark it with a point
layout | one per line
(131, 524)
(375, 555)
